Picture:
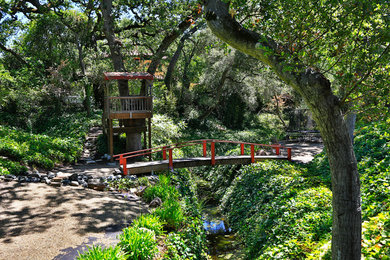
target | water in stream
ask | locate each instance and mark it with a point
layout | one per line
(222, 242)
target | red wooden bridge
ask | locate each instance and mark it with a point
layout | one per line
(169, 163)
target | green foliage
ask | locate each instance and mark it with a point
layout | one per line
(376, 237)
(171, 213)
(138, 243)
(61, 142)
(99, 253)
(39, 150)
(11, 167)
(123, 184)
(163, 189)
(143, 181)
(150, 222)
(165, 130)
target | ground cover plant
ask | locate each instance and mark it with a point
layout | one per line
(60, 142)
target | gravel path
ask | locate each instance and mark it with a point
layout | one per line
(38, 221)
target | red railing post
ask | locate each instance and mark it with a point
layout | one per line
(164, 150)
(170, 158)
(277, 150)
(252, 153)
(204, 148)
(242, 149)
(289, 154)
(212, 153)
(123, 162)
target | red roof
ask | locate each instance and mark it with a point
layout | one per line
(127, 75)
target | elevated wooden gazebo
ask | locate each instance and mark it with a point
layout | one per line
(129, 107)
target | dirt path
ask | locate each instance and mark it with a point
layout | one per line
(38, 221)
(304, 152)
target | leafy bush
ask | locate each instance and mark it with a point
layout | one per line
(163, 190)
(138, 243)
(150, 222)
(98, 253)
(171, 213)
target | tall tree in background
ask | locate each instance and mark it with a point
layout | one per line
(308, 44)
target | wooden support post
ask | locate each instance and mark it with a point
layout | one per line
(252, 153)
(145, 147)
(289, 154)
(204, 148)
(110, 140)
(164, 150)
(212, 153)
(170, 158)
(277, 150)
(150, 136)
(242, 149)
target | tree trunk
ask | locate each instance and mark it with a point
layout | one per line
(317, 93)
(87, 90)
(133, 140)
(350, 120)
(175, 58)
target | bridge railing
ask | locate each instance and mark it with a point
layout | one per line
(203, 142)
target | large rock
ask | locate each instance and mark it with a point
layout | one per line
(51, 175)
(74, 177)
(56, 184)
(140, 191)
(155, 203)
(96, 184)
(57, 179)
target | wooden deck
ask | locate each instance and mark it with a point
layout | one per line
(144, 167)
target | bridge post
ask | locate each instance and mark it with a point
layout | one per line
(289, 154)
(212, 153)
(164, 150)
(277, 150)
(242, 149)
(204, 148)
(123, 162)
(252, 153)
(170, 159)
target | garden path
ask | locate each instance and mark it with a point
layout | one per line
(38, 221)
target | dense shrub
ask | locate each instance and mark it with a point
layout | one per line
(99, 253)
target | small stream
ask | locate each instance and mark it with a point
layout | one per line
(222, 243)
